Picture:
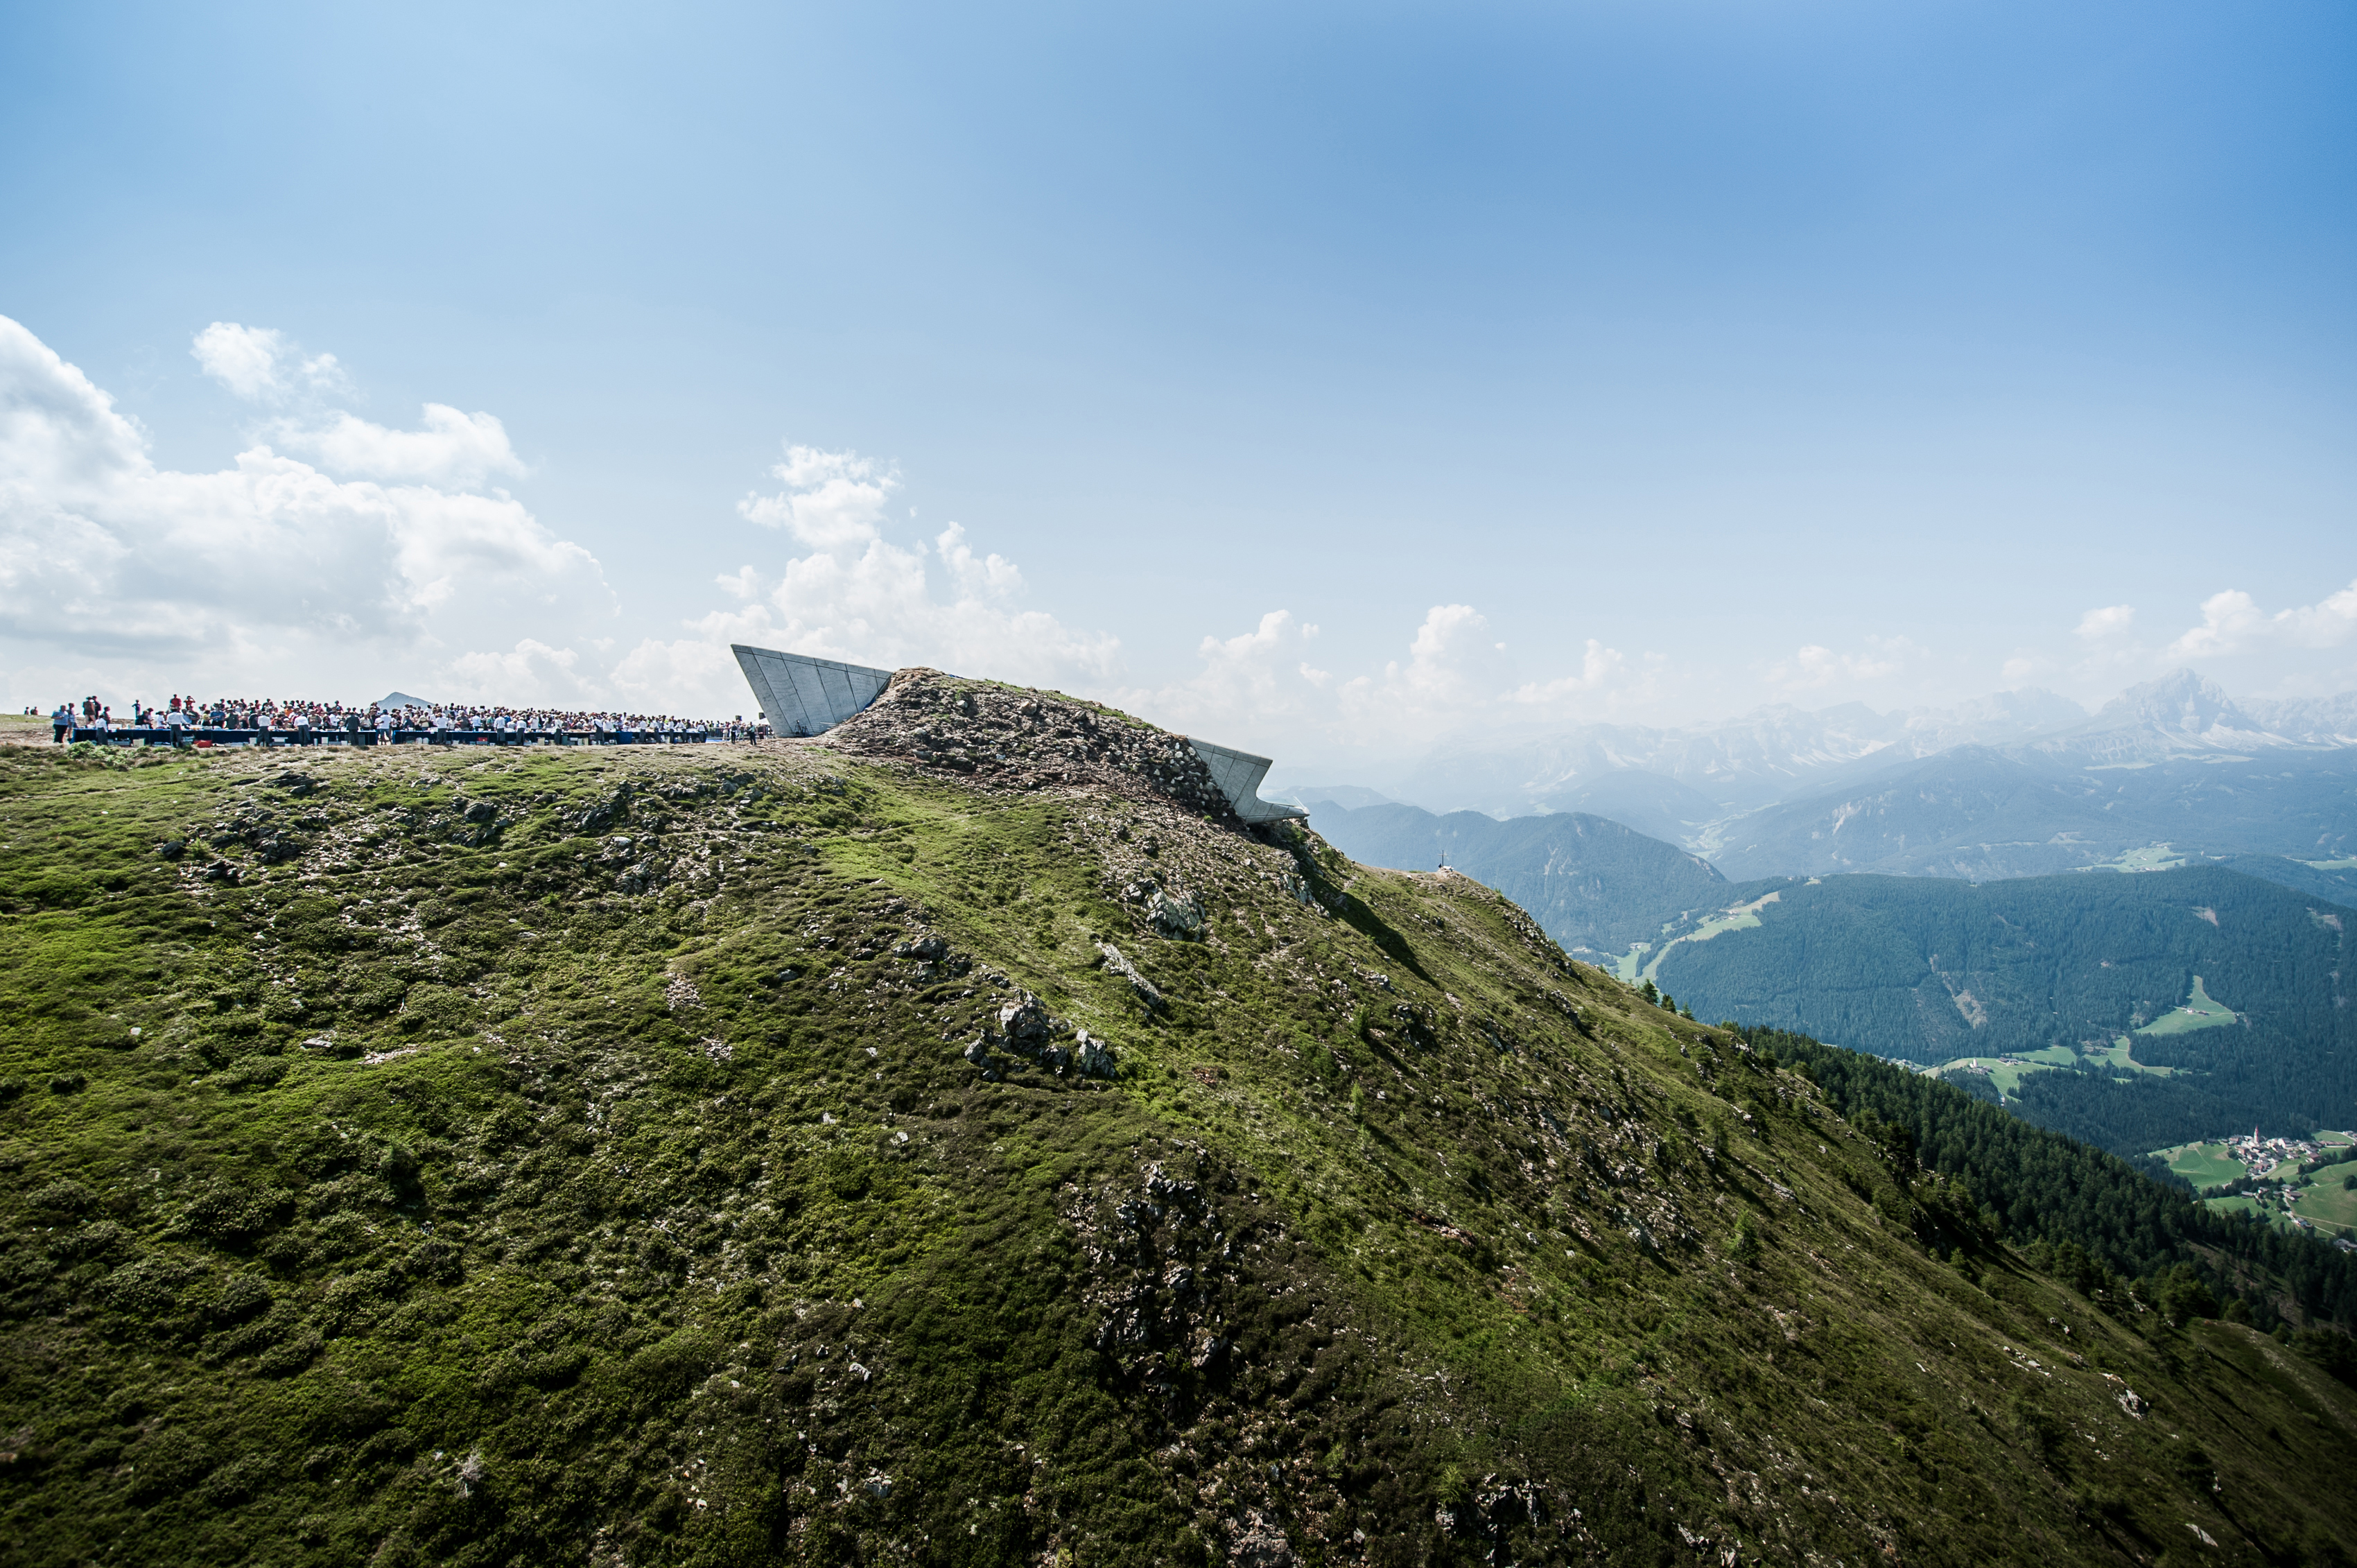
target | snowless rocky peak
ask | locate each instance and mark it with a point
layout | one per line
(2183, 706)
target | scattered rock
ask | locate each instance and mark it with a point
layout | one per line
(1094, 1057)
(1176, 917)
(1138, 983)
(1024, 1020)
(1255, 1543)
(1027, 741)
(603, 814)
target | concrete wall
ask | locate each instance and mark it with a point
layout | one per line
(1238, 774)
(801, 695)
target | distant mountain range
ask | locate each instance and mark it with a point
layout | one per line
(2021, 784)
(1981, 812)
(1598, 887)
(1738, 765)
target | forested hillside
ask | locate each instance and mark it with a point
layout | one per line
(955, 1142)
(2109, 1221)
(1931, 971)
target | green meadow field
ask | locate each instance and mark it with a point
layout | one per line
(2199, 1013)
(2204, 1164)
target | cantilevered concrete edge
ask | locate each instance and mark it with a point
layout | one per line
(801, 695)
(1238, 774)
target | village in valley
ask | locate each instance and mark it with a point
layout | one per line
(2305, 1184)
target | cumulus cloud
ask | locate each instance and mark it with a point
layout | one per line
(1598, 669)
(531, 674)
(832, 499)
(2111, 620)
(260, 364)
(1259, 689)
(1249, 687)
(2232, 621)
(2328, 623)
(460, 451)
(859, 597)
(2228, 620)
(102, 551)
(1814, 666)
(1454, 666)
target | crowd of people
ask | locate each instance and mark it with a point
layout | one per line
(269, 722)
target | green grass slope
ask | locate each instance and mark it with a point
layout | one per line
(813, 1154)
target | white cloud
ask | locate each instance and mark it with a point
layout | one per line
(1250, 686)
(531, 674)
(2328, 623)
(1597, 668)
(1815, 666)
(2227, 620)
(1256, 690)
(1454, 667)
(832, 499)
(2112, 620)
(458, 450)
(260, 364)
(2232, 621)
(860, 597)
(691, 674)
(269, 566)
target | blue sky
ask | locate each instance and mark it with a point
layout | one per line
(1553, 363)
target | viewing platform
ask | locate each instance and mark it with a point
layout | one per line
(194, 736)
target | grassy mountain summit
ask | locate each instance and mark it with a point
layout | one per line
(957, 1140)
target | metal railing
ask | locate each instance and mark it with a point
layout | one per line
(191, 734)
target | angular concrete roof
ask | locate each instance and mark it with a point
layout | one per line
(1238, 774)
(801, 695)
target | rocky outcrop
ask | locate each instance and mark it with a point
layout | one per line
(1175, 917)
(1006, 738)
(1026, 1037)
